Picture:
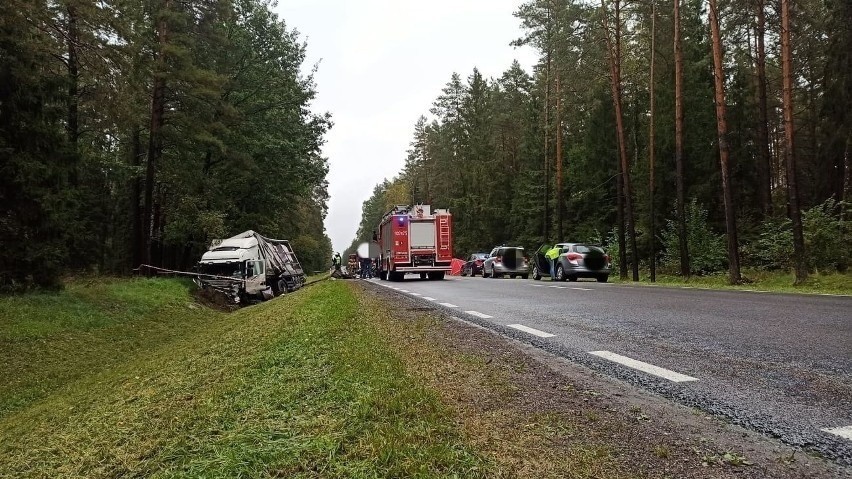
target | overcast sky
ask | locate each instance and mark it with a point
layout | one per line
(381, 64)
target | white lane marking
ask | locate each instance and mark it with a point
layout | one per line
(427, 298)
(644, 367)
(558, 287)
(478, 314)
(533, 331)
(448, 305)
(581, 289)
(537, 285)
(844, 432)
(404, 291)
(415, 294)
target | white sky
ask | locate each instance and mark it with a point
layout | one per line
(381, 65)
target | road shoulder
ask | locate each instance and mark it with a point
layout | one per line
(538, 415)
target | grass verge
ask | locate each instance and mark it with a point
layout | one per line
(777, 282)
(301, 386)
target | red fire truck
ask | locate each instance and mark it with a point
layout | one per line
(415, 240)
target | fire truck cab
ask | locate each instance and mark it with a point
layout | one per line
(415, 240)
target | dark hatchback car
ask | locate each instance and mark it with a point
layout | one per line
(576, 260)
(474, 264)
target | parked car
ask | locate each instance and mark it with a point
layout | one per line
(506, 260)
(576, 260)
(473, 266)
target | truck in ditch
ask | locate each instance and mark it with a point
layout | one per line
(249, 267)
(415, 240)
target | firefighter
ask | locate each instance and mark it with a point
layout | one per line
(553, 256)
(335, 261)
(366, 269)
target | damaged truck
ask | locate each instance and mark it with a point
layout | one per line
(249, 267)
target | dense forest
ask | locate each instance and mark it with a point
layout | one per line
(686, 136)
(135, 132)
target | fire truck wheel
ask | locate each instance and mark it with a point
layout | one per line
(436, 275)
(422, 275)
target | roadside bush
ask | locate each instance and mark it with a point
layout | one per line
(825, 240)
(707, 251)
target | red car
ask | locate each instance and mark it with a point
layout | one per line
(474, 263)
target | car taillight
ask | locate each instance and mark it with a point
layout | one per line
(498, 259)
(478, 262)
(606, 258)
(573, 256)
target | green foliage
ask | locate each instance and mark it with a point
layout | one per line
(239, 147)
(707, 249)
(826, 240)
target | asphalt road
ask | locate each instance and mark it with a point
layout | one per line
(780, 364)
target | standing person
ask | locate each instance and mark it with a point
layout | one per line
(553, 256)
(366, 272)
(336, 261)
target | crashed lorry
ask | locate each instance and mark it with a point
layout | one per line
(249, 267)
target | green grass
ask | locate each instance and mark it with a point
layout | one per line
(301, 386)
(779, 282)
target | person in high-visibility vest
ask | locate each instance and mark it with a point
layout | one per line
(552, 255)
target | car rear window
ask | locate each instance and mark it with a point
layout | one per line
(503, 251)
(582, 249)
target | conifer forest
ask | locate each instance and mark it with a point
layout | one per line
(686, 136)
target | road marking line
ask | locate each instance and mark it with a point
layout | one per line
(533, 331)
(427, 298)
(582, 289)
(404, 291)
(478, 314)
(644, 367)
(416, 294)
(448, 305)
(537, 285)
(844, 432)
(558, 287)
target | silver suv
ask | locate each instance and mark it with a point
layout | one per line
(506, 260)
(576, 260)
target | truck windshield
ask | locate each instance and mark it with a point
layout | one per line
(233, 270)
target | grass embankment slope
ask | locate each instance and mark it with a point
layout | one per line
(131, 378)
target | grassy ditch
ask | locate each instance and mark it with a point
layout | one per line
(302, 386)
(778, 282)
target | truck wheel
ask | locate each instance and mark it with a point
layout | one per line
(525, 276)
(424, 275)
(436, 275)
(383, 275)
(282, 287)
(603, 278)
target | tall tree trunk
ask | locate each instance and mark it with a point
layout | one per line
(73, 125)
(559, 188)
(764, 186)
(614, 49)
(546, 129)
(139, 239)
(651, 146)
(622, 242)
(789, 153)
(722, 126)
(158, 99)
(683, 246)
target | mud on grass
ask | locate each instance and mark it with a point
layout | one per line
(536, 415)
